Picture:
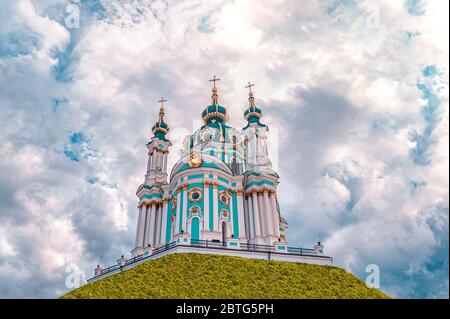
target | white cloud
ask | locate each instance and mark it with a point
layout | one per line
(335, 80)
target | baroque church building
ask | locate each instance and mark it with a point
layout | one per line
(222, 190)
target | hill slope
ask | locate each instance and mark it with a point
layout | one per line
(212, 276)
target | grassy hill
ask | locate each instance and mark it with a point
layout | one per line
(212, 276)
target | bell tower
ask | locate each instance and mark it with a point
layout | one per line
(158, 150)
(266, 226)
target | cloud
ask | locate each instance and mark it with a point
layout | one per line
(357, 94)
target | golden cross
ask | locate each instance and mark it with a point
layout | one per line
(162, 101)
(249, 86)
(214, 80)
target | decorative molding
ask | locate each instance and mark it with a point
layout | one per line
(193, 191)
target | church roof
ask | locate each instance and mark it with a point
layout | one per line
(253, 113)
(215, 112)
(161, 128)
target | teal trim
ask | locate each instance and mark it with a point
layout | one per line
(169, 221)
(200, 203)
(281, 247)
(181, 212)
(234, 244)
(195, 228)
(195, 176)
(211, 208)
(223, 179)
(150, 196)
(204, 164)
(263, 182)
(235, 217)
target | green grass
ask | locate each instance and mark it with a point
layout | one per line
(197, 276)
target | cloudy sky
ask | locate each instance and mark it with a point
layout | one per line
(355, 94)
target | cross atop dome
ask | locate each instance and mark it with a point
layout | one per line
(214, 111)
(253, 113)
(249, 87)
(214, 79)
(160, 129)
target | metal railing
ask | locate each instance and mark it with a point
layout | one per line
(297, 251)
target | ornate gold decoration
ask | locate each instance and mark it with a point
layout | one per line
(174, 203)
(192, 194)
(206, 184)
(224, 197)
(195, 160)
(195, 210)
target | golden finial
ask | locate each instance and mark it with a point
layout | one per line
(251, 99)
(249, 87)
(214, 79)
(161, 109)
(214, 90)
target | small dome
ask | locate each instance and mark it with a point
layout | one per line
(160, 126)
(252, 111)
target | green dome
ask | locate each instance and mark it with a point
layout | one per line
(161, 124)
(252, 111)
(214, 111)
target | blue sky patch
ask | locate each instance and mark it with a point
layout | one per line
(415, 7)
(430, 112)
(18, 43)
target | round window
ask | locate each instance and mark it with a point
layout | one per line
(195, 195)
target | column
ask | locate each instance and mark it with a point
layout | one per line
(157, 223)
(215, 207)
(149, 162)
(251, 220)
(153, 156)
(268, 213)
(164, 220)
(232, 212)
(157, 159)
(147, 225)
(241, 213)
(152, 225)
(262, 215)
(185, 208)
(178, 210)
(206, 206)
(165, 162)
(141, 226)
(256, 214)
(276, 220)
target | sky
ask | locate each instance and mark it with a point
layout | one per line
(355, 93)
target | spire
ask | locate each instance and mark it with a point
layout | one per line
(251, 98)
(214, 113)
(160, 129)
(161, 110)
(214, 96)
(253, 113)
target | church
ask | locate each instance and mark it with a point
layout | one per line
(222, 188)
(219, 198)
